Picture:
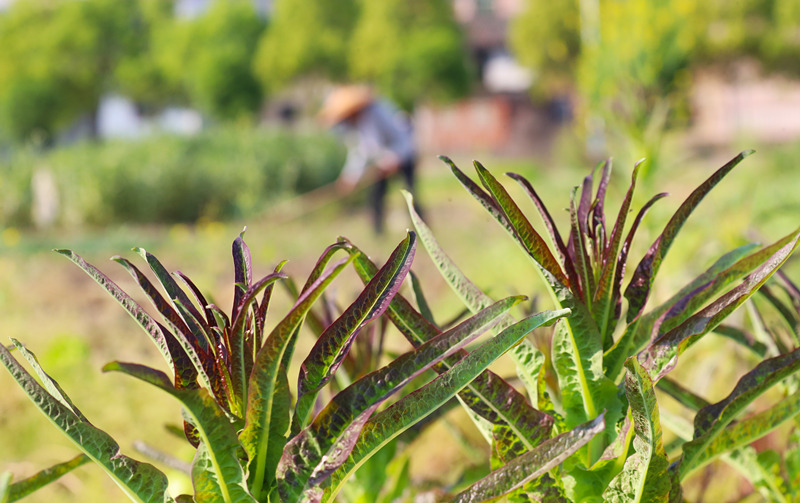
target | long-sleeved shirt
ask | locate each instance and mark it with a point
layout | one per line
(378, 130)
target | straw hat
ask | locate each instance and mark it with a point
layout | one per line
(343, 102)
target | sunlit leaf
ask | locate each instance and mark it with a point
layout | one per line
(334, 343)
(639, 287)
(217, 473)
(644, 478)
(386, 425)
(315, 452)
(141, 482)
(531, 465)
(24, 487)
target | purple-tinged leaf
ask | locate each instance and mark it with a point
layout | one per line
(208, 361)
(322, 263)
(472, 296)
(482, 197)
(238, 354)
(222, 478)
(698, 297)
(196, 323)
(242, 271)
(488, 396)
(334, 343)
(584, 206)
(639, 288)
(200, 299)
(740, 433)
(388, 424)
(660, 357)
(25, 487)
(174, 348)
(611, 318)
(532, 242)
(581, 258)
(645, 476)
(141, 482)
(606, 300)
(531, 465)
(550, 224)
(598, 215)
(311, 456)
(261, 315)
(266, 421)
(715, 442)
(646, 327)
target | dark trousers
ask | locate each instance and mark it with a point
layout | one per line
(381, 187)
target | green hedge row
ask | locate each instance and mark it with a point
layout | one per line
(217, 174)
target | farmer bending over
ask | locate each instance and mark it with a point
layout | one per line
(379, 139)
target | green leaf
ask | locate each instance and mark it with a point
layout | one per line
(470, 295)
(334, 343)
(267, 418)
(527, 236)
(5, 486)
(488, 398)
(141, 482)
(173, 348)
(312, 455)
(607, 295)
(242, 273)
(25, 487)
(196, 323)
(386, 425)
(644, 478)
(711, 420)
(580, 258)
(549, 223)
(237, 351)
(578, 361)
(185, 371)
(642, 281)
(217, 473)
(531, 465)
(696, 293)
(708, 446)
(661, 356)
(761, 471)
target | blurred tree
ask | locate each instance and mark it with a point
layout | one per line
(210, 59)
(139, 74)
(546, 37)
(411, 49)
(56, 61)
(305, 37)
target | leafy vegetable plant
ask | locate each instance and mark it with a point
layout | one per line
(253, 442)
(606, 366)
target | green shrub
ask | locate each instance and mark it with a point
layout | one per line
(217, 174)
(230, 374)
(608, 360)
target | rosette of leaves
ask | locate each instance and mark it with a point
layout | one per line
(253, 441)
(604, 362)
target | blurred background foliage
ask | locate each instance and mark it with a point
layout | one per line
(625, 67)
